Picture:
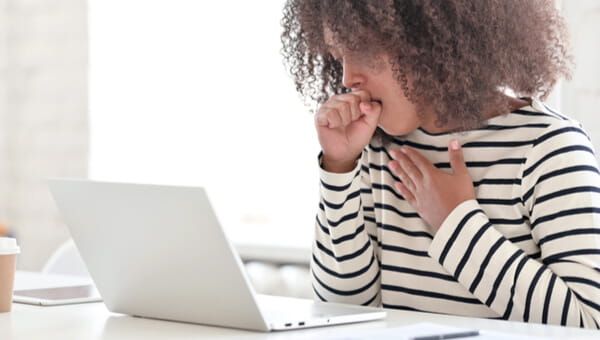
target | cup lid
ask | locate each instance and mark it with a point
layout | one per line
(8, 246)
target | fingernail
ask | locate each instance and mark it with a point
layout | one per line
(455, 145)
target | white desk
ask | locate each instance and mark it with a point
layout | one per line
(93, 321)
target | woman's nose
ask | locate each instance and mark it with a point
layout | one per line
(352, 78)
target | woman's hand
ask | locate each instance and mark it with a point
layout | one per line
(345, 125)
(432, 192)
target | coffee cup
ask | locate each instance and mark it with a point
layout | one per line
(8, 264)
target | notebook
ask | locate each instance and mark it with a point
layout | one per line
(159, 252)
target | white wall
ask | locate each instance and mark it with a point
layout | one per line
(581, 96)
(192, 92)
(43, 116)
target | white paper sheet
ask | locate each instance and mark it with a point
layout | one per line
(427, 329)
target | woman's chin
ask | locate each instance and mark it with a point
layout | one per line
(397, 130)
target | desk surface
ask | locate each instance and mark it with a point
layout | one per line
(93, 321)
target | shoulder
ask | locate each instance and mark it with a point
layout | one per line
(562, 144)
(562, 131)
(548, 129)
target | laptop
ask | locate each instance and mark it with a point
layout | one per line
(159, 252)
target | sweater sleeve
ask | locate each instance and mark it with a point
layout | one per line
(344, 265)
(561, 198)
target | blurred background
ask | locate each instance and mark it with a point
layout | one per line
(180, 92)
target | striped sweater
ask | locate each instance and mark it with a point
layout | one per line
(527, 249)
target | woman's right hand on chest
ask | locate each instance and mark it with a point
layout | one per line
(345, 125)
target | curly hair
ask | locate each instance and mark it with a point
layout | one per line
(459, 56)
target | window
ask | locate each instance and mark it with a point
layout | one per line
(189, 92)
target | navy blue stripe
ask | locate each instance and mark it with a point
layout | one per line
(509, 127)
(318, 295)
(321, 226)
(445, 165)
(500, 276)
(335, 187)
(547, 263)
(553, 258)
(498, 181)
(343, 219)
(404, 250)
(429, 294)
(384, 169)
(560, 151)
(497, 144)
(494, 127)
(387, 188)
(341, 239)
(549, 293)
(521, 238)
(347, 275)
(560, 131)
(480, 144)
(499, 201)
(349, 236)
(536, 279)
(590, 303)
(350, 196)
(554, 112)
(470, 248)
(419, 146)
(512, 288)
(485, 263)
(455, 233)
(412, 271)
(400, 307)
(407, 232)
(565, 312)
(345, 257)
(366, 191)
(368, 302)
(368, 209)
(535, 255)
(559, 173)
(347, 292)
(581, 280)
(381, 149)
(564, 213)
(395, 210)
(565, 192)
(370, 219)
(584, 231)
(516, 221)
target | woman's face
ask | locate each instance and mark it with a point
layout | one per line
(399, 115)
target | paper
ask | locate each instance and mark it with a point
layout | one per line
(426, 329)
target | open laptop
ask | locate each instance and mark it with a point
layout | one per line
(159, 252)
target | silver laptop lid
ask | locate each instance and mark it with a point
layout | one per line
(158, 251)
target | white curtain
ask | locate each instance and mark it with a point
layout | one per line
(43, 116)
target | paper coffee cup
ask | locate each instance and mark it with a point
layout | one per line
(8, 264)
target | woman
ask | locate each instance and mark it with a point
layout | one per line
(446, 184)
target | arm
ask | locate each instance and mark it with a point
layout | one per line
(344, 265)
(560, 190)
